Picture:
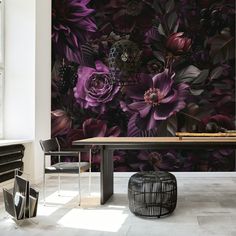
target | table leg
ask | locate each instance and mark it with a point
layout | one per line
(106, 174)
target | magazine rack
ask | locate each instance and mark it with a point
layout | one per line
(21, 201)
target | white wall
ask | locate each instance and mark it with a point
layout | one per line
(19, 100)
(28, 77)
(42, 81)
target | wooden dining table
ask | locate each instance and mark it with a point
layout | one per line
(109, 144)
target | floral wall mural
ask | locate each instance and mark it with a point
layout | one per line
(144, 68)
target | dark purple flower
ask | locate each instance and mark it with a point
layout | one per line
(177, 44)
(126, 16)
(119, 160)
(94, 88)
(154, 100)
(223, 98)
(201, 59)
(71, 24)
(188, 12)
(92, 128)
(152, 66)
(61, 122)
(221, 122)
(168, 160)
(162, 160)
(221, 159)
(205, 3)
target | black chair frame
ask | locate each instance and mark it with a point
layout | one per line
(51, 147)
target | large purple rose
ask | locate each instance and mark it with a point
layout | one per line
(154, 100)
(71, 24)
(94, 88)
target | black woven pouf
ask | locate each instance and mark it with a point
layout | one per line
(152, 194)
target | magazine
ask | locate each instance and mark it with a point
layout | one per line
(8, 200)
(21, 202)
(33, 202)
(21, 186)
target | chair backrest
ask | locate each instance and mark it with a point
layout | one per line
(50, 145)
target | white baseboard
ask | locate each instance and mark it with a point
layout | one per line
(188, 174)
(204, 174)
(177, 174)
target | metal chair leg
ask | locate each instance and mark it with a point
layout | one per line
(90, 169)
(79, 192)
(59, 177)
(44, 183)
(44, 189)
(59, 184)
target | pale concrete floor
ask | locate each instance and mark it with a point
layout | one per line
(206, 206)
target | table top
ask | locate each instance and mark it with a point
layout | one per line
(155, 140)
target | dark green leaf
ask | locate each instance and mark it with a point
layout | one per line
(222, 86)
(157, 7)
(172, 125)
(157, 46)
(162, 128)
(222, 48)
(201, 77)
(187, 74)
(196, 92)
(172, 21)
(176, 26)
(186, 80)
(169, 6)
(161, 30)
(216, 73)
(159, 55)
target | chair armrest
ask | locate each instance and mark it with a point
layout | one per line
(63, 153)
(76, 149)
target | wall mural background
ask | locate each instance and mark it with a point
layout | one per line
(177, 58)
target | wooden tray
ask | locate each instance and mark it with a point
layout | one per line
(187, 134)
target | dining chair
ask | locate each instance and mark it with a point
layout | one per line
(51, 147)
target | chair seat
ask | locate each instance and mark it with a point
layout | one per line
(67, 167)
